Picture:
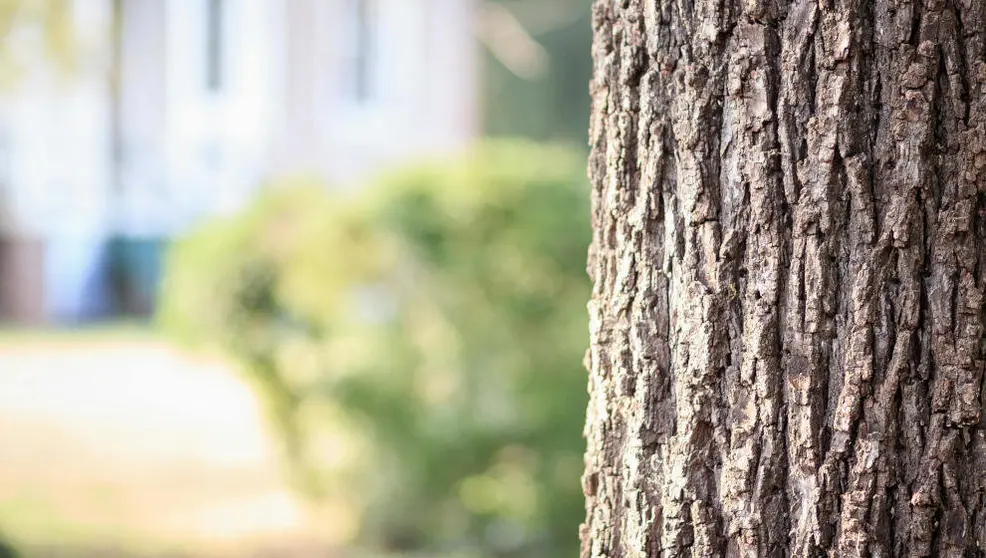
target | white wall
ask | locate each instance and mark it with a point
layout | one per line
(193, 151)
(138, 208)
(56, 166)
(217, 142)
(56, 140)
(190, 152)
(426, 86)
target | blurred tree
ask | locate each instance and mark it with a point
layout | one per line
(538, 67)
(33, 28)
(7, 551)
(435, 322)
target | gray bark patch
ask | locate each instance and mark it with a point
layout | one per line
(786, 329)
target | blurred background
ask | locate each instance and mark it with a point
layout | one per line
(292, 277)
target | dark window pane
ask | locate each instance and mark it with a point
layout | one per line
(214, 45)
(364, 42)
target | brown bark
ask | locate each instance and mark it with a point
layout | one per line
(787, 323)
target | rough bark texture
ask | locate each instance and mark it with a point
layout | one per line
(789, 262)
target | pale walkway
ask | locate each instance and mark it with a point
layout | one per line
(109, 439)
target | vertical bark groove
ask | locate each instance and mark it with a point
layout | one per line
(786, 330)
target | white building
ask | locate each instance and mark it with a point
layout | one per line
(215, 97)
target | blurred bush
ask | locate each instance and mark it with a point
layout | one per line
(7, 551)
(418, 343)
(554, 105)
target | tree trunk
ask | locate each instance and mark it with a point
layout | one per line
(789, 258)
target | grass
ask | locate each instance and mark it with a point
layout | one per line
(115, 331)
(114, 439)
(72, 399)
(38, 528)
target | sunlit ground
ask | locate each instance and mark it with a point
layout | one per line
(113, 439)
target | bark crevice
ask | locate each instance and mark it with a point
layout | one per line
(787, 323)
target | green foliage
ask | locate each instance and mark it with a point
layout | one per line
(45, 28)
(436, 322)
(554, 106)
(7, 551)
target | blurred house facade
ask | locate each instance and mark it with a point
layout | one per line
(210, 99)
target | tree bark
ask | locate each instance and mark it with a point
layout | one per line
(787, 350)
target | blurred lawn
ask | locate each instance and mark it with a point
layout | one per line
(100, 458)
(113, 443)
(107, 332)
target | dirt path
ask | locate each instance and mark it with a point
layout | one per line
(109, 440)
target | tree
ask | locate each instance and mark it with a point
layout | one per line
(417, 343)
(788, 258)
(7, 551)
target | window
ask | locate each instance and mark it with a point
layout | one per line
(214, 44)
(363, 52)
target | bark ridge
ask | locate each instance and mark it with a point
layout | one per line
(786, 330)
